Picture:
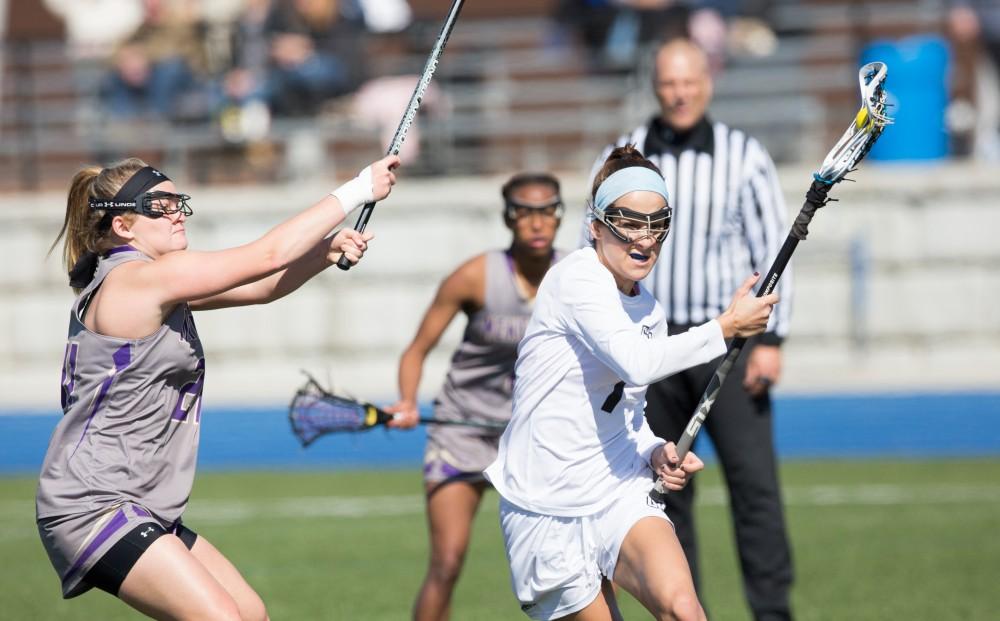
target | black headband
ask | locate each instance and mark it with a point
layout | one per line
(530, 178)
(127, 197)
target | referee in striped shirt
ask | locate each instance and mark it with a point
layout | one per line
(729, 221)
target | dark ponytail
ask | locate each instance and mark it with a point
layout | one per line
(620, 157)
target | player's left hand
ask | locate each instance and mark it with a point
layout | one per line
(763, 369)
(672, 472)
(349, 243)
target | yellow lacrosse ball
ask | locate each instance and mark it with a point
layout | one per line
(371, 416)
(861, 119)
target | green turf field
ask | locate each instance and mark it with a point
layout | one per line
(873, 540)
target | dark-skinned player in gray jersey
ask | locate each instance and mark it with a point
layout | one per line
(495, 290)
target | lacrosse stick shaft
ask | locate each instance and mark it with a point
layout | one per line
(411, 110)
(815, 198)
(382, 417)
(497, 426)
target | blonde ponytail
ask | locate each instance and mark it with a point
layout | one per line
(85, 238)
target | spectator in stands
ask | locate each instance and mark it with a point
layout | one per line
(380, 101)
(160, 71)
(386, 15)
(976, 24)
(587, 19)
(315, 53)
(613, 30)
(95, 28)
(242, 101)
(748, 28)
(618, 29)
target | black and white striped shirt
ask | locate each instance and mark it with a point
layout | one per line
(729, 220)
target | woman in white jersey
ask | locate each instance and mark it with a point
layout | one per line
(577, 461)
(120, 465)
(495, 290)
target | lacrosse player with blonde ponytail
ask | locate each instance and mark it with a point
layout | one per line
(121, 462)
(577, 462)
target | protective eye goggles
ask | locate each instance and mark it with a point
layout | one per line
(135, 196)
(515, 211)
(632, 226)
(149, 204)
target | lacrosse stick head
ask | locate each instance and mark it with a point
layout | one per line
(315, 412)
(866, 128)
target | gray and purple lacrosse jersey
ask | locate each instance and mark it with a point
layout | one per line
(125, 450)
(480, 381)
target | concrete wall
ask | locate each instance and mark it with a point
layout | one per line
(926, 316)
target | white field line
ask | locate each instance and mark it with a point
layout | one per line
(17, 516)
(870, 494)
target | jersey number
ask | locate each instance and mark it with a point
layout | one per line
(190, 398)
(616, 395)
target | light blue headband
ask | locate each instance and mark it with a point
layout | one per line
(631, 179)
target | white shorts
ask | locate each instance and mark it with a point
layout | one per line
(557, 563)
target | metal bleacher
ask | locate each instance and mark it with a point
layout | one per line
(515, 95)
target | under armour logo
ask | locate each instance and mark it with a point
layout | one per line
(146, 532)
(647, 332)
(156, 172)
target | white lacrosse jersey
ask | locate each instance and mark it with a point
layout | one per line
(578, 435)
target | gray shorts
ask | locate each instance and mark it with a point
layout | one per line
(459, 453)
(75, 543)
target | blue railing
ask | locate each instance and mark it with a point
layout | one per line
(917, 426)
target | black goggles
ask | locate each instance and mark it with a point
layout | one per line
(631, 226)
(554, 209)
(149, 204)
(135, 196)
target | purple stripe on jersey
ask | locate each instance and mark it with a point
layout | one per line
(118, 249)
(122, 358)
(69, 373)
(119, 520)
(140, 511)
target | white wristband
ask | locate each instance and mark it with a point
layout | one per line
(355, 192)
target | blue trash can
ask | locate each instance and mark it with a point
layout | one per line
(917, 87)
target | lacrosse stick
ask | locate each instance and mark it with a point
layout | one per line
(315, 412)
(411, 109)
(852, 147)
